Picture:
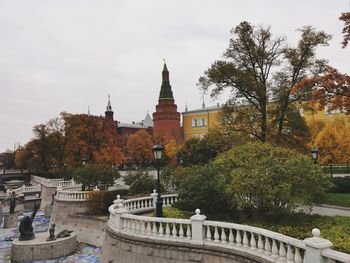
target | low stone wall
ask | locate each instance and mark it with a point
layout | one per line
(63, 209)
(90, 229)
(40, 249)
(71, 215)
(121, 248)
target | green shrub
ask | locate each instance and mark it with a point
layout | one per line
(341, 185)
(100, 201)
(202, 188)
(141, 182)
(269, 181)
(95, 175)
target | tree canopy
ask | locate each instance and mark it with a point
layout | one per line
(260, 71)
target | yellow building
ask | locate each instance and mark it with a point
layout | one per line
(196, 123)
(323, 115)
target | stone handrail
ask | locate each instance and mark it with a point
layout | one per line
(73, 195)
(268, 245)
(76, 187)
(53, 182)
(145, 204)
(335, 256)
(25, 189)
(157, 227)
(276, 245)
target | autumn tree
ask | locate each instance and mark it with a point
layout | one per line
(262, 70)
(91, 138)
(331, 89)
(333, 142)
(345, 17)
(140, 147)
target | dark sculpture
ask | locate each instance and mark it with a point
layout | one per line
(64, 233)
(26, 227)
(53, 197)
(12, 203)
(52, 232)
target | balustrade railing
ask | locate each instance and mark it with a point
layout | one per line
(276, 245)
(268, 245)
(25, 189)
(156, 227)
(73, 195)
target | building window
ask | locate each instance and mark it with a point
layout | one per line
(203, 122)
(194, 122)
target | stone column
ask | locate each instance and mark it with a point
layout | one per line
(154, 196)
(314, 247)
(197, 228)
(115, 219)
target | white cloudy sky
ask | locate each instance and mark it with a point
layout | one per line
(63, 55)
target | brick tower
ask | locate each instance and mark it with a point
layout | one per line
(109, 111)
(166, 119)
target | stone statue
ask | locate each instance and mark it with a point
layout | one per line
(64, 233)
(53, 197)
(52, 232)
(26, 227)
(12, 203)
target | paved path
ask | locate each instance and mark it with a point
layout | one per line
(329, 210)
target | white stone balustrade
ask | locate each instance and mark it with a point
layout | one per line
(268, 245)
(72, 195)
(156, 227)
(25, 189)
(262, 241)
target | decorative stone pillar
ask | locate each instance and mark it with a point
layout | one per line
(154, 196)
(115, 220)
(314, 247)
(197, 228)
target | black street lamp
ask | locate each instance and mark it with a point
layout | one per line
(314, 154)
(158, 152)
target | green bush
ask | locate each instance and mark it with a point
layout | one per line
(141, 182)
(95, 175)
(341, 185)
(269, 181)
(100, 201)
(202, 188)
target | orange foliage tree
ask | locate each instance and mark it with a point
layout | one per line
(91, 138)
(331, 89)
(140, 147)
(333, 142)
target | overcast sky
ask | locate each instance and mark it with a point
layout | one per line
(63, 55)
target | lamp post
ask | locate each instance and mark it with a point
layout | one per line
(158, 152)
(314, 154)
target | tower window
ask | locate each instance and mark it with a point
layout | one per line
(203, 122)
(194, 122)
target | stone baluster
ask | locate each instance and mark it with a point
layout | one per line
(223, 235)
(260, 244)
(216, 234)
(252, 241)
(181, 231)
(167, 230)
(282, 251)
(245, 239)
(208, 233)
(174, 231)
(231, 238)
(161, 229)
(238, 238)
(267, 245)
(188, 232)
(274, 249)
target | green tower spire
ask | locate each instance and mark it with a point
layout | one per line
(165, 91)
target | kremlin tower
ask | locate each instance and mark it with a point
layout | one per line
(166, 119)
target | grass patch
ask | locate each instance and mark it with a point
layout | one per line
(297, 225)
(337, 199)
